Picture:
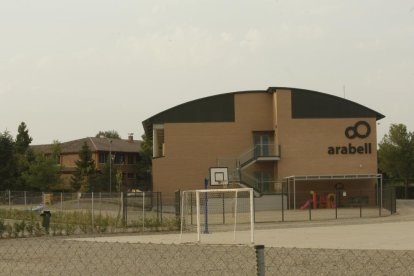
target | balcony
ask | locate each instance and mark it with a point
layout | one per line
(260, 153)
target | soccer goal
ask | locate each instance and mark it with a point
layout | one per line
(212, 211)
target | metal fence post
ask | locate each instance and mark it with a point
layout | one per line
(283, 203)
(310, 208)
(336, 204)
(161, 205)
(92, 218)
(143, 211)
(260, 260)
(178, 205)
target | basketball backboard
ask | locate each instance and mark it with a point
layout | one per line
(219, 176)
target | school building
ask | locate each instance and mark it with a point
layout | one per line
(280, 140)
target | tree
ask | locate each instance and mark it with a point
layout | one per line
(7, 161)
(145, 160)
(112, 134)
(42, 174)
(23, 139)
(396, 154)
(118, 180)
(23, 154)
(85, 168)
(56, 151)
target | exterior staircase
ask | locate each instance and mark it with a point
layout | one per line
(237, 168)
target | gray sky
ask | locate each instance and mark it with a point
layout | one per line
(71, 68)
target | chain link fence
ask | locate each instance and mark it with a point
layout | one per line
(65, 257)
(305, 261)
(46, 256)
(84, 213)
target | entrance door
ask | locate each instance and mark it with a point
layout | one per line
(261, 143)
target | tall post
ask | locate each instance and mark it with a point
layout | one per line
(294, 193)
(161, 205)
(381, 195)
(110, 166)
(251, 217)
(198, 214)
(122, 207)
(205, 206)
(310, 208)
(336, 203)
(92, 218)
(224, 209)
(25, 200)
(100, 203)
(283, 203)
(235, 216)
(143, 211)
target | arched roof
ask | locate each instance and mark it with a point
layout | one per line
(217, 108)
(313, 104)
(221, 108)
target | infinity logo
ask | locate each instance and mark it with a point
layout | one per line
(355, 131)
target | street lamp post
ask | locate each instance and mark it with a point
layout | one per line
(110, 166)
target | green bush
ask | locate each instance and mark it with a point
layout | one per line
(2, 228)
(9, 230)
(69, 223)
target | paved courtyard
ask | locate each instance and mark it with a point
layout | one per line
(391, 233)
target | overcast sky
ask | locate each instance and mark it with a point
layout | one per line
(71, 68)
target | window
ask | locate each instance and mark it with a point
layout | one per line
(158, 143)
(263, 144)
(58, 159)
(103, 157)
(132, 158)
(119, 158)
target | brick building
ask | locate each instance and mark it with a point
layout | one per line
(279, 140)
(124, 152)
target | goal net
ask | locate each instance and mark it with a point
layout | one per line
(225, 211)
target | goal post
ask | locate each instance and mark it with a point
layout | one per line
(218, 211)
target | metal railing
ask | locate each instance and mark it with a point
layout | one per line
(262, 187)
(257, 151)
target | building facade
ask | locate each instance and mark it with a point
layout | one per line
(124, 152)
(277, 140)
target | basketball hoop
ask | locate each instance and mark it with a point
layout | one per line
(219, 176)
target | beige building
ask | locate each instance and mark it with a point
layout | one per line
(276, 140)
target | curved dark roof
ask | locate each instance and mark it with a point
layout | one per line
(220, 108)
(217, 108)
(313, 104)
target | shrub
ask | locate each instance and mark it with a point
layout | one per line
(2, 228)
